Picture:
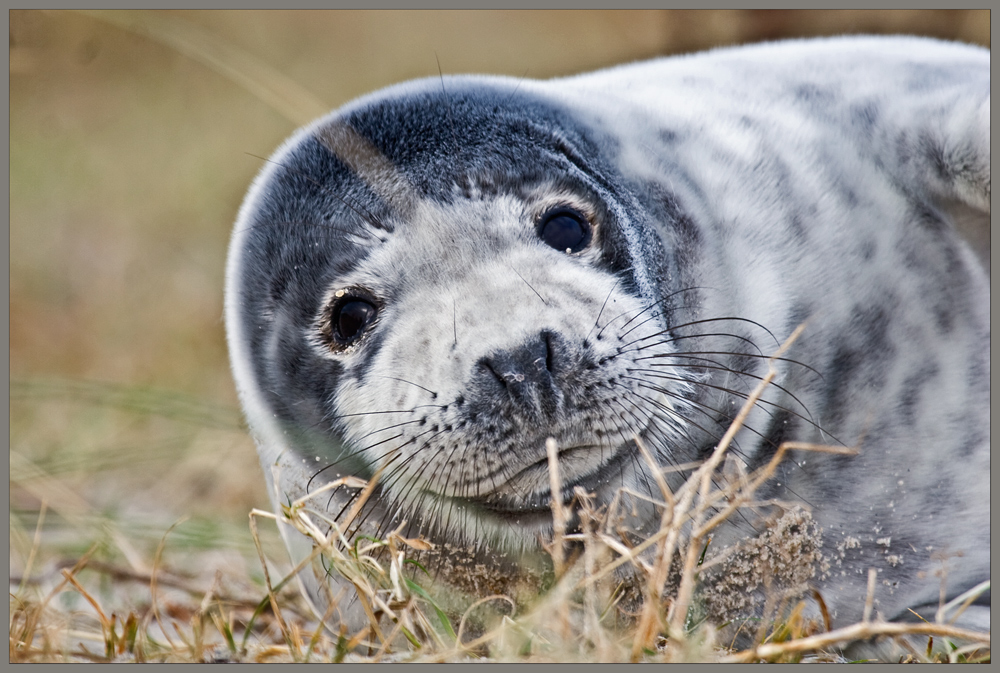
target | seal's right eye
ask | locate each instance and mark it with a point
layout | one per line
(565, 230)
(350, 316)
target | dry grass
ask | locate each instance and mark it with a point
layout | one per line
(578, 619)
(570, 622)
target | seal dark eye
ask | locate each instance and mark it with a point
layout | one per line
(565, 230)
(350, 316)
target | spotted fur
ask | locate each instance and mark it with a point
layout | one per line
(731, 196)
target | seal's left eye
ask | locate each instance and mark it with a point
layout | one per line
(565, 230)
(350, 317)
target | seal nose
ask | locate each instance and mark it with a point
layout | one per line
(526, 374)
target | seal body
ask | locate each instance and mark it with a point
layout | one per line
(436, 278)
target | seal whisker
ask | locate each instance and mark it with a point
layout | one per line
(675, 338)
(604, 305)
(735, 393)
(528, 284)
(396, 378)
(671, 413)
(356, 493)
(376, 431)
(674, 328)
(520, 80)
(721, 418)
(656, 373)
(362, 414)
(354, 454)
(639, 430)
(663, 451)
(411, 441)
(651, 318)
(650, 307)
(695, 356)
(447, 101)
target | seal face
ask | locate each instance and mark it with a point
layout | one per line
(433, 280)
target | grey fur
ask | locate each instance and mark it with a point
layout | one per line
(759, 187)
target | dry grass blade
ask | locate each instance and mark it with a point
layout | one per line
(654, 589)
(630, 556)
(703, 478)
(106, 623)
(964, 600)
(368, 490)
(35, 544)
(270, 589)
(33, 615)
(557, 550)
(558, 517)
(469, 610)
(855, 632)
(870, 595)
(354, 570)
(152, 582)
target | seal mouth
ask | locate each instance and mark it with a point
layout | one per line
(529, 491)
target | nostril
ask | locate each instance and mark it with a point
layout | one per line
(485, 365)
(549, 349)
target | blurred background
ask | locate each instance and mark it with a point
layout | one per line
(133, 137)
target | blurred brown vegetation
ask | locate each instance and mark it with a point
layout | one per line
(130, 150)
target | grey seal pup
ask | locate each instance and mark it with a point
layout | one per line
(436, 278)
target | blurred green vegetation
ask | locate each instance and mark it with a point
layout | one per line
(131, 143)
